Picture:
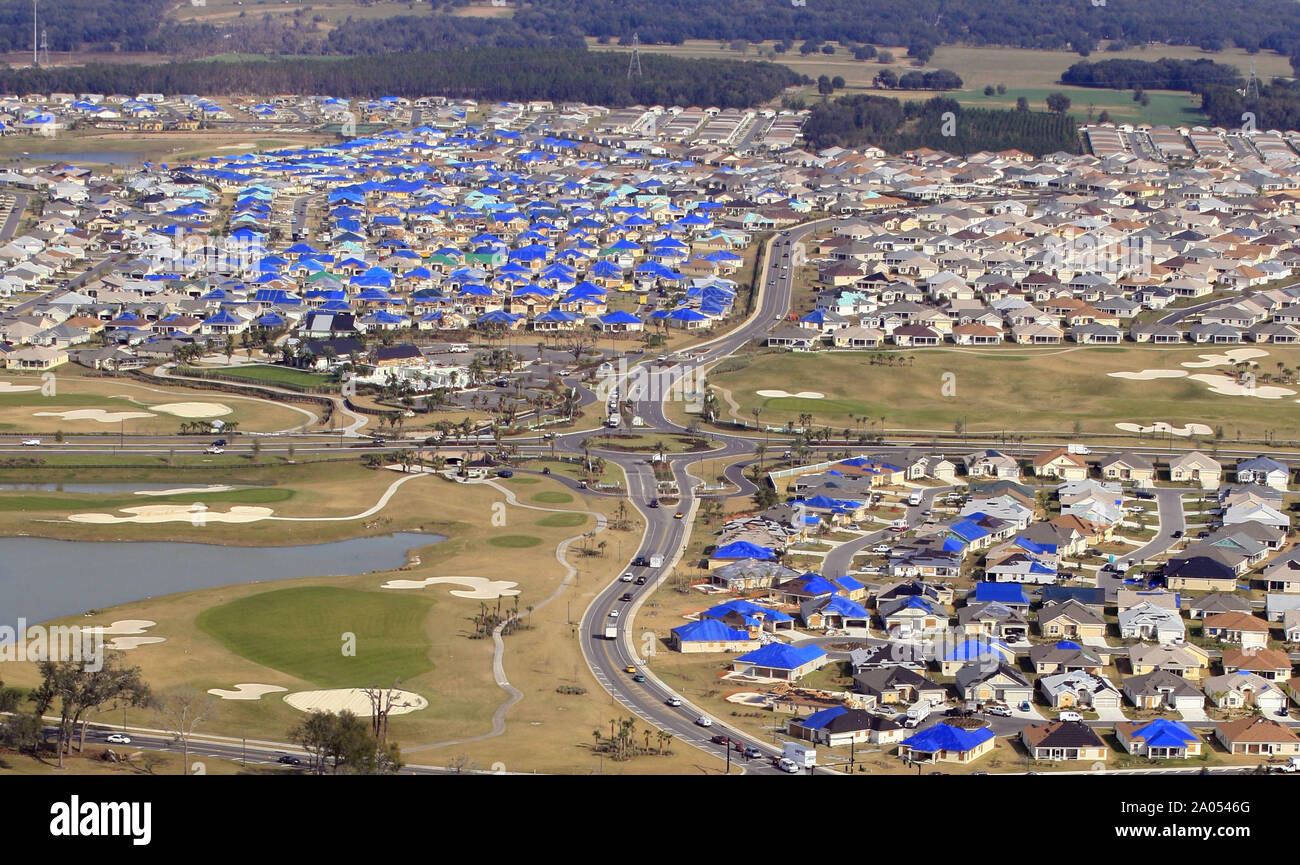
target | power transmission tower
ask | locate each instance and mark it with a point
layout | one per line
(35, 44)
(45, 49)
(1252, 84)
(634, 63)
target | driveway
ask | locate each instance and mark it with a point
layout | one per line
(1111, 715)
(1197, 714)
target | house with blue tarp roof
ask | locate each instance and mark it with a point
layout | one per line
(740, 550)
(780, 662)
(1009, 594)
(750, 616)
(1162, 738)
(709, 635)
(834, 611)
(944, 743)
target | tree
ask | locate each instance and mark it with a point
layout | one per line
(988, 90)
(24, 732)
(1022, 104)
(79, 691)
(886, 57)
(824, 85)
(182, 712)
(837, 82)
(1058, 102)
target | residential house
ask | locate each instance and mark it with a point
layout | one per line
(1243, 629)
(1063, 740)
(1079, 689)
(1148, 621)
(1196, 468)
(1187, 660)
(1071, 620)
(1158, 739)
(946, 743)
(1163, 690)
(1257, 735)
(1242, 690)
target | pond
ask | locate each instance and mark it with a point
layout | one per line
(43, 579)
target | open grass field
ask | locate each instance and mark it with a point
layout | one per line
(276, 375)
(39, 409)
(1025, 72)
(261, 632)
(148, 146)
(1008, 388)
(388, 628)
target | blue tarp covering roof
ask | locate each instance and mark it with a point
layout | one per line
(708, 630)
(1005, 593)
(942, 737)
(744, 550)
(782, 657)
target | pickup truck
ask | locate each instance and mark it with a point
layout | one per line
(213, 449)
(31, 443)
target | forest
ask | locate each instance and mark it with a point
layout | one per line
(1278, 106)
(1162, 74)
(853, 121)
(919, 25)
(478, 73)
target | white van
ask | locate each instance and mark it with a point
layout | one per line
(1069, 716)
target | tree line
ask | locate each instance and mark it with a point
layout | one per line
(1163, 74)
(479, 73)
(1278, 106)
(940, 123)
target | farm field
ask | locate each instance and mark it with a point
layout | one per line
(1025, 72)
(1045, 390)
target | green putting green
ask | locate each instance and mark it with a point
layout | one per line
(562, 521)
(514, 541)
(552, 497)
(300, 632)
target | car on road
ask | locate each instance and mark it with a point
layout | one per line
(290, 760)
(785, 764)
(641, 580)
(749, 752)
(640, 562)
(702, 721)
(119, 739)
(613, 614)
(626, 578)
(719, 739)
(31, 443)
(639, 677)
(676, 516)
(674, 701)
(958, 712)
(505, 473)
(626, 596)
(219, 443)
(654, 503)
(898, 528)
(213, 449)
(881, 548)
(1177, 534)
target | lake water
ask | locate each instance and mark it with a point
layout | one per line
(43, 579)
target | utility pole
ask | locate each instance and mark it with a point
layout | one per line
(35, 61)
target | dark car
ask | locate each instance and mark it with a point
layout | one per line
(641, 580)
(627, 596)
(505, 473)
(654, 503)
(219, 443)
(640, 562)
(720, 739)
(638, 678)
(546, 470)
(1177, 534)
(290, 761)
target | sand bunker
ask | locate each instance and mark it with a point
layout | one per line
(803, 394)
(98, 414)
(10, 387)
(1192, 429)
(1228, 386)
(215, 488)
(121, 644)
(479, 588)
(1231, 356)
(750, 698)
(123, 626)
(193, 409)
(1148, 374)
(245, 691)
(196, 513)
(352, 699)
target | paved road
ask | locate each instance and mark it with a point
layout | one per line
(15, 216)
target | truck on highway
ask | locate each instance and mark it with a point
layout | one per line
(656, 561)
(611, 632)
(803, 756)
(1077, 449)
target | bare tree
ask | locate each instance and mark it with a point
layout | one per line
(182, 712)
